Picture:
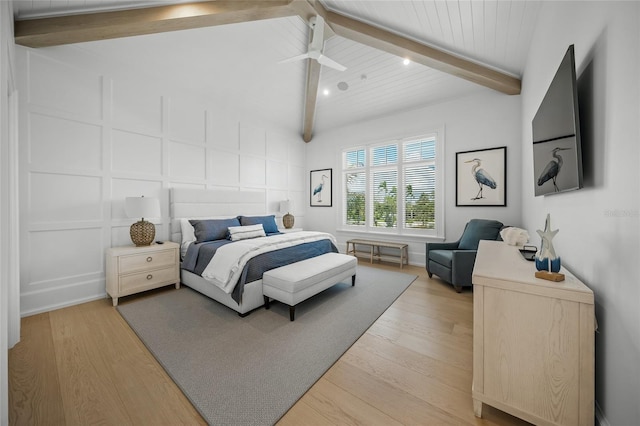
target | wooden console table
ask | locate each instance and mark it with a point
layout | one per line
(374, 251)
(533, 340)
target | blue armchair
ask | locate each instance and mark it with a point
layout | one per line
(453, 262)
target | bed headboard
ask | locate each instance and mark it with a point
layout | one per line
(194, 203)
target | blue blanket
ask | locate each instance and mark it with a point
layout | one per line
(199, 255)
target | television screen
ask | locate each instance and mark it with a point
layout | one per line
(557, 155)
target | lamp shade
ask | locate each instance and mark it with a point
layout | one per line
(285, 206)
(142, 207)
(142, 232)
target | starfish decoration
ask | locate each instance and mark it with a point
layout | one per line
(546, 248)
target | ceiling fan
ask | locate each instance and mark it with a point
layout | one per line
(316, 46)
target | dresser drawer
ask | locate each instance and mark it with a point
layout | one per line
(146, 261)
(133, 283)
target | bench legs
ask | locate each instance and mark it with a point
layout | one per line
(292, 309)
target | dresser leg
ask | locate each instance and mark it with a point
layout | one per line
(477, 408)
(115, 301)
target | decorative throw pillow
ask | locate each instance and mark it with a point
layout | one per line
(268, 222)
(212, 229)
(237, 233)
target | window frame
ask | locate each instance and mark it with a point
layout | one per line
(400, 167)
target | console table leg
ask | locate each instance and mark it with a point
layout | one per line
(477, 408)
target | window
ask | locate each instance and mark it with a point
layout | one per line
(393, 187)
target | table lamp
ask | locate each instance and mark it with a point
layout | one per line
(142, 232)
(287, 219)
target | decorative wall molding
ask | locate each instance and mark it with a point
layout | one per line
(89, 139)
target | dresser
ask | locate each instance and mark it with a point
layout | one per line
(533, 340)
(132, 269)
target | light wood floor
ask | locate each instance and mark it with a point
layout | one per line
(83, 365)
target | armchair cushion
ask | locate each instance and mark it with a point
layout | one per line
(479, 229)
(443, 257)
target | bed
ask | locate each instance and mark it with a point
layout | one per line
(216, 206)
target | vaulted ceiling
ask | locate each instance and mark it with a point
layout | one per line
(455, 48)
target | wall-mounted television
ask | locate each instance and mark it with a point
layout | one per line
(557, 154)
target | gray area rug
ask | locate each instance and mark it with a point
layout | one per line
(250, 371)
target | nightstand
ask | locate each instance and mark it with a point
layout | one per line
(132, 269)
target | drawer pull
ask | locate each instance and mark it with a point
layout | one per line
(149, 276)
(149, 259)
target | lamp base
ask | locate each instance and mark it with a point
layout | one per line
(288, 220)
(142, 233)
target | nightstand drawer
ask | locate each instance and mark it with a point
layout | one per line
(149, 279)
(146, 261)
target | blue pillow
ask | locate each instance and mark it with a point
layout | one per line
(212, 229)
(267, 222)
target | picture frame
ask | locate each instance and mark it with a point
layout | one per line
(481, 177)
(321, 188)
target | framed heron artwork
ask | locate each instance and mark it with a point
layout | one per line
(320, 191)
(481, 177)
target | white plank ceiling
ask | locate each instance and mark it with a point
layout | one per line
(494, 33)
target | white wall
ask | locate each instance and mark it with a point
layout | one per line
(485, 120)
(9, 286)
(599, 237)
(92, 134)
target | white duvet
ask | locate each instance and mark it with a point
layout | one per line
(227, 264)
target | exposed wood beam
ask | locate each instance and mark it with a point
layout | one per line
(310, 98)
(421, 53)
(307, 9)
(106, 25)
(59, 30)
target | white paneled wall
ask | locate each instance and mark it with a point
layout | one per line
(88, 140)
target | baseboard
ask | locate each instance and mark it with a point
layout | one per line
(601, 420)
(66, 304)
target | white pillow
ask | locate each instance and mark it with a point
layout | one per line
(237, 233)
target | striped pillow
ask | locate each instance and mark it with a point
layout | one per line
(237, 233)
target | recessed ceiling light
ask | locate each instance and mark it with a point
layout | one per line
(325, 92)
(406, 61)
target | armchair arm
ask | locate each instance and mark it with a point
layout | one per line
(443, 246)
(462, 267)
(438, 246)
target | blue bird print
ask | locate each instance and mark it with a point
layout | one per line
(552, 169)
(318, 189)
(482, 178)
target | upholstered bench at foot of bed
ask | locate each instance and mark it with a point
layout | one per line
(294, 283)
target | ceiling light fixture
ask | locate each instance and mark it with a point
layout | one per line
(406, 61)
(325, 92)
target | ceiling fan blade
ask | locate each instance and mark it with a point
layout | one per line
(326, 61)
(295, 58)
